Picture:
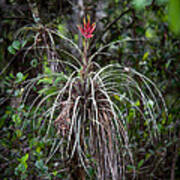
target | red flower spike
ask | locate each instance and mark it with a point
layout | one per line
(87, 28)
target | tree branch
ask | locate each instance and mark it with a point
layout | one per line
(115, 20)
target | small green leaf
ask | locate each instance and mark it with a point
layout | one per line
(47, 70)
(141, 4)
(16, 119)
(16, 45)
(55, 173)
(20, 77)
(38, 149)
(140, 163)
(41, 166)
(120, 97)
(168, 63)
(61, 28)
(23, 43)
(150, 103)
(145, 56)
(25, 158)
(150, 33)
(48, 90)
(76, 37)
(130, 167)
(2, 120)
(11, 75)
(11, 50)
(46, 80)
(91, 171)
(60, 78)
(117, 97)
(160, 127)
(18, 133)
(160, 2)
(148, 155)
(137, 103)
(21, 168)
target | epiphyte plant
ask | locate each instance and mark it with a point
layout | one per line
(89, 110)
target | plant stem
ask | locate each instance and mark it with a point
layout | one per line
(85, 51)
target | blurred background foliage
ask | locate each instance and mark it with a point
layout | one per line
(23, 28)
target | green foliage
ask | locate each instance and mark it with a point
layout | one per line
(16, 46)
(141, 4)
(174, 15)
(41, 167)
(62, 29)
(22, 167)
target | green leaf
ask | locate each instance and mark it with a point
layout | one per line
(91, 171)
(11, 50)
(48, 90)
(2, 120)
(148, 155)
(168, 63)
(150, 33)
(40, 165)
(47, 70)
(120, 97)
(38, 149)
(174, 15)
(117, 97)
(11, 75)
(21, 168)
(140, 163)
(146, 54)
(76, 37)
(137, 103)
(160, 2)
(62, 29)
(16, 45)
(60, 78)
(150, 103)
(160, 127)
(16, 119)
(141, 4)
(20, 77)
(18, 133)
(25, 158)
(46, 80)
(55, 173)
(130, 167)
(23, 43)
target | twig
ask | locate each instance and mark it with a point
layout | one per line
(117, 19)
(109, 26)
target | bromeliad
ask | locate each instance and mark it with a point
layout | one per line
(87, 29)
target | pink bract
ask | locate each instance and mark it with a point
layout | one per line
(87, 28)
